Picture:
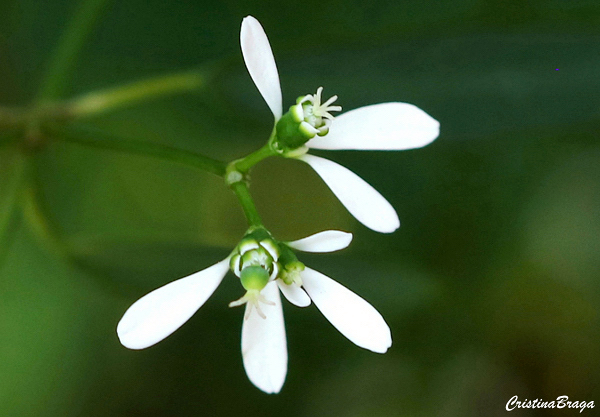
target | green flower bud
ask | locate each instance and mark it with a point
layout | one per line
(291, 273)
(290, 266)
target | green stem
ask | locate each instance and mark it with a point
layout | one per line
(243, 165)
(128, 94)
(237, 179)
(242, 192)
(71, 42)
(148, 149)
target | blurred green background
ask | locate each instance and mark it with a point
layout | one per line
(491, 286)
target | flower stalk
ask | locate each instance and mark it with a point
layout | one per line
(241, 190)
(244, 164)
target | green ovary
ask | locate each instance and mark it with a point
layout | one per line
(254, 278)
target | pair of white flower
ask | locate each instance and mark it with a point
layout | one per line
(385, 126)
(264, 348)
(388, 126)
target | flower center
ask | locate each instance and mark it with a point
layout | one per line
(252, 252)
(255, 262)
(315, 111)
(305, 119)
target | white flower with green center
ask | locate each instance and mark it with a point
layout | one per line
(385, 126)
(264, 348)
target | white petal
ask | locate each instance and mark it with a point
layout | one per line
(351, 315)
(261, 63)
(159, 313)
(294, 294)
(327, 241)
(264, 348)
(385, 126)
(362, 201)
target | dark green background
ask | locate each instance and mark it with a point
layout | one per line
(491, 285)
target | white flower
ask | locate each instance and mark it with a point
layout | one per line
(385, 126)
(264, 348)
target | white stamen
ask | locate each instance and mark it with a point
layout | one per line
(252, 298)
(331, 100)
(320, 110)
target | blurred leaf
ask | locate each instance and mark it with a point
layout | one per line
(43, 316)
